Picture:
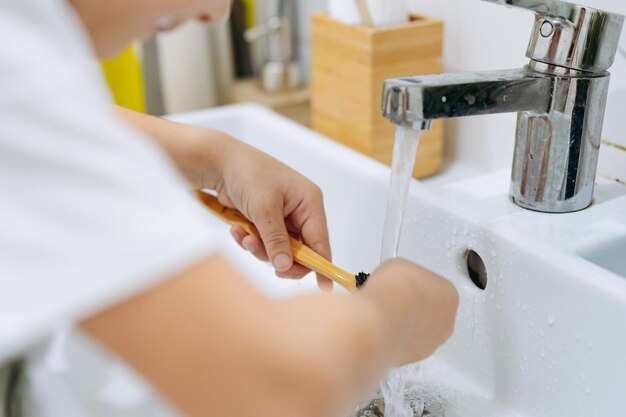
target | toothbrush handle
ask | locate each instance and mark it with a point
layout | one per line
(364, 12)
(308, 257)
(302, 254)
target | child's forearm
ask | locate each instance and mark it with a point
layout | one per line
(196, 151)
(214, 346)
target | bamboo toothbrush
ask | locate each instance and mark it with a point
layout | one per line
(364, 12)
(302, 254)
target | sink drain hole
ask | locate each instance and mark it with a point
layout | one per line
(476, 269)
(424, 402)
(377, 409)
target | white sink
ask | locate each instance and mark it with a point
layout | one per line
(609, 254)
(547, 337)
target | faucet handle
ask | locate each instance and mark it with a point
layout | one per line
(570, 35)
(554, 8)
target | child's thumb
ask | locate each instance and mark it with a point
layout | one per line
(271, 227)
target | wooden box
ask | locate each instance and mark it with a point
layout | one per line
(350, 65)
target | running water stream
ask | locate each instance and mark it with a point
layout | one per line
(404, 151)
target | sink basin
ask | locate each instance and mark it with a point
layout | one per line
(547, 335)
(610, 255)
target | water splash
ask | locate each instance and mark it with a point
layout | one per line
(393, 390)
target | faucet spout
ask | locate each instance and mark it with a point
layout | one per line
(559, 98)
(414, 99)
(559, 124)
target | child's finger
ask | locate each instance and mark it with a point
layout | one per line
(325, 284)
(238, 233)
(270, 222)
(255, 246)
(315, 234)
(297, 271)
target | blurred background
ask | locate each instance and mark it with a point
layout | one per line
(197, 67)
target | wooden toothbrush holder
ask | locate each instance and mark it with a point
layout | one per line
(350, 65)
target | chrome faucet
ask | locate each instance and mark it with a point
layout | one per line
(560, 98)
(280, 70)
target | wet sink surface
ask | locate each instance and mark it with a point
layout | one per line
(547, 335)
(610, 255)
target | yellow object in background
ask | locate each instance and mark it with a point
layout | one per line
(250, 13)
(124, 75)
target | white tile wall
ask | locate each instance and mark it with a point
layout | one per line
(481, 36)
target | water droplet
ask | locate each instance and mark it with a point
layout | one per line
(466, 230)
(493, 240)
(525, 308)
(588, 390)
(455, 231)
(578, 337)
(444, 99)
(551, 320)
(543, 354)
(494, 253)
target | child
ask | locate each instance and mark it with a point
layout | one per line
(95, 230)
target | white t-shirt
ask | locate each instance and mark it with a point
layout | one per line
(91, 212)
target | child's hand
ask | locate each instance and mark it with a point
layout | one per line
(278, 200)
(421, 305)
(271, 195)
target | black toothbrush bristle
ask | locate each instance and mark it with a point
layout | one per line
(361, 279)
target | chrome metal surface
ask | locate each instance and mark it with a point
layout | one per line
(556, 152)
(465, 94)
(571, 35)
(560, 107)
(276, 36)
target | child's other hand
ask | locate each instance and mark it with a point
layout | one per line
(419, 303)
(280, 202)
